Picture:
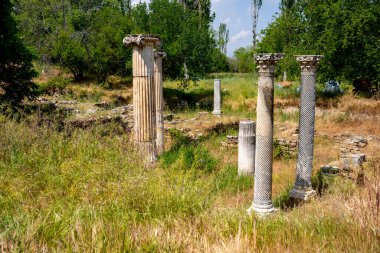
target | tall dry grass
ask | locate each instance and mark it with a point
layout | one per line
(86, 191)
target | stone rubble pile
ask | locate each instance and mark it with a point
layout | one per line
(232, 141)
(351, 151)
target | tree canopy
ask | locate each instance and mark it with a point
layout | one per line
(16, 69)
(85, 36)
(345, 31)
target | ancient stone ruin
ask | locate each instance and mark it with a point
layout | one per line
(217, 98)
(246, 151)
(302, 188)
(262, 199)
(159, 99)
(144, 112)
(351, 154)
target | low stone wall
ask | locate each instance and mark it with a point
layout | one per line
(287, 145)
(353, 145)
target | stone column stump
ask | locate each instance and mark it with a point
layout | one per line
(144, 113)
(246, 148)
(217, 98)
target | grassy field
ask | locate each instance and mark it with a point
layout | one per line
(85, 190)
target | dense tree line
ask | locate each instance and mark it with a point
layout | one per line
(84, 36)
(16, 69)
(347, 32)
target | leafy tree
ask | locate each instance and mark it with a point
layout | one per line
(256, 5)
(186, 35)
(85, 36)
(345, 31)
(223, 37)
(219, 62)
(244, 60)
(16, 69)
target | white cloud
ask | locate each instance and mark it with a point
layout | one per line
(240, 35)
(227, 20)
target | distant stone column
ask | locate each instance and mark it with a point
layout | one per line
(217, 98)
(158, 55)
(262, 199)
(143, 92)
(246, 148)
(302, 188)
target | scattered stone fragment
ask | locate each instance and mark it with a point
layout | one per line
(91, 111)
(67, 102)
(123, 109)
(330, 169)
(102, 104)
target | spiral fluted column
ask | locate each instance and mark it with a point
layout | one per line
(262, 199)
(158, 86)
(143, 92)
(302, 188)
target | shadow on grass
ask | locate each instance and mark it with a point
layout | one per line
(285, 202)
(180, 99)
(320, 182)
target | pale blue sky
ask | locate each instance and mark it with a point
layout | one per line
(237, 15)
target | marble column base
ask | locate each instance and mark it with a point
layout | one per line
(302, 193)
(261, 210)
(217, 112)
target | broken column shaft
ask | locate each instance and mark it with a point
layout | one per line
(262, 200)
(302, 188)
(158, 86)
(143, 92)
(246, 148)
(217, 98)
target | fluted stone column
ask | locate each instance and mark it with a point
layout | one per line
(302, 188)
(143, 92)
(158, 55)
(246, 148)
(262, 199)
(217, 98)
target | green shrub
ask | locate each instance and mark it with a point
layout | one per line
(56, 84)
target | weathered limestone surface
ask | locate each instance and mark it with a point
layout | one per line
(302, 188)
(351, 154)
(217, 98)
(144, 112)
(158, 86)
(246, 149)
(262, 199)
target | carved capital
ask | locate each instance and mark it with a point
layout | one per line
(159, 53)
(266, 62)
(141, 40)
(309, 63)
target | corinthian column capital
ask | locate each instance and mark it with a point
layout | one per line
(266, 62)
(141, 40)
(309, 63)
